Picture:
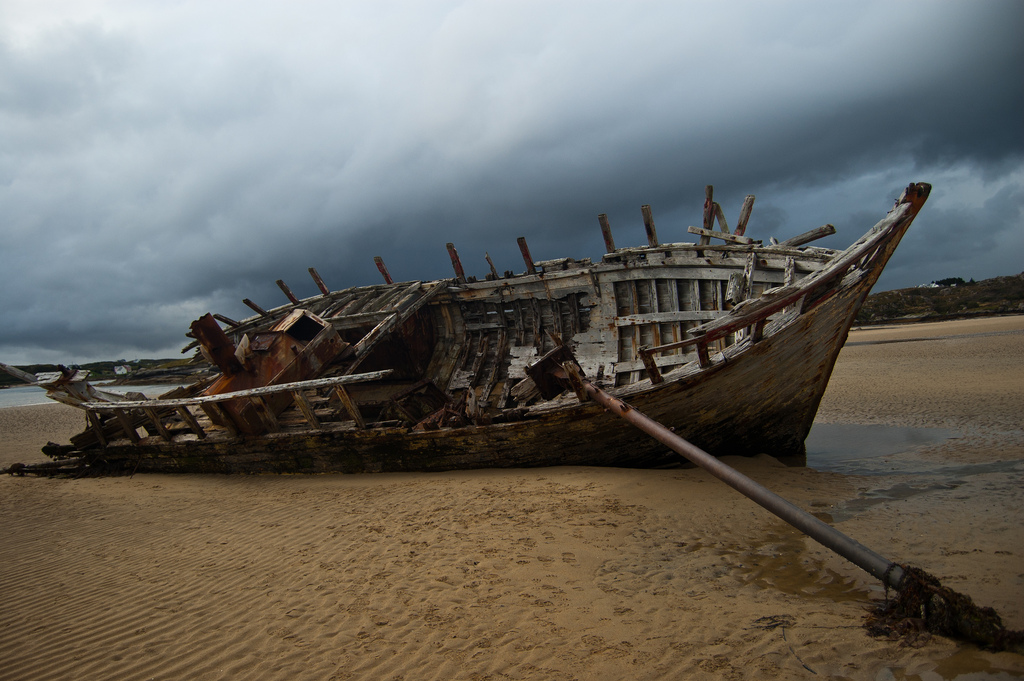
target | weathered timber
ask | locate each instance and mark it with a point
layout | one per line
(652, 233)
(738, 370)
(527, 258)
(810, 235)
(741, 224)
(725, 236)
(382, 268)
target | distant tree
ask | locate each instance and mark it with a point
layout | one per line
(952, 281)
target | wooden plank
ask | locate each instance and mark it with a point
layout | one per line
(731, 238)
(527, 258)
(652, 233)
(319, 282)
(157, 423)
(227, 320)
(287, 292)
(667, 317)
(748, 275)
(252, 392)
(126, 425)
(382, 268)
(385, 327)
(266, 413)
(18, 373)
(256, 308)
(741, 224)
(490, 264)
(190, 420)
(350, 407)
(606, 232)
(307, 411)
(219, 415)
(808, 236)
(97, 426)
(709, 214)
(720, 214)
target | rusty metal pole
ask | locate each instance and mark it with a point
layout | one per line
(888, 572)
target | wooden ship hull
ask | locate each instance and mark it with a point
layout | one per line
(731, 345)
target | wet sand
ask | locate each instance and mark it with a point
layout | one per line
(558, 573)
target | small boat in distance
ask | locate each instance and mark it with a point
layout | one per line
(729, 342)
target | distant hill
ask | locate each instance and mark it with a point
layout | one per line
(946, 299)
(144, 370)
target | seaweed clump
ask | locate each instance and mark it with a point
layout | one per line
(922, 606)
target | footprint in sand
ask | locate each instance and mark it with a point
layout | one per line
(569, 558)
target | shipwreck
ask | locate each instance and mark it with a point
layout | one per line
(727, 340)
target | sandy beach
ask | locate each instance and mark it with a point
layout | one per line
(554, 573)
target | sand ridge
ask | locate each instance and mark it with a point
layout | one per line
(555, 573)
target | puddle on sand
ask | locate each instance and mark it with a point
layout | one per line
(781, 564)
(966, 664)
(864, 449)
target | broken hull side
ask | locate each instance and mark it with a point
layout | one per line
(756, 398)
(759, 395)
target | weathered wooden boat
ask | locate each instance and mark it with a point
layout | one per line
(731, 344)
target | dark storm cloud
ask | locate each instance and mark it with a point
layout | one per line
(159, 161)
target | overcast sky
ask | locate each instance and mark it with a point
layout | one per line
(159, 160)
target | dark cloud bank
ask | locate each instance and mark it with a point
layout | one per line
(160, 161)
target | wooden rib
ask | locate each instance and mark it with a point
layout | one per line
(227, 320)
(305, 408)
(151, 413)
(256, 308)
(460, 274)
(287, 292)
(741, 225)
(709, 214)
(97, 426)
(720, 214)
(126, 425)
(810, 235)
(266, 414)
(706, 234)
(527, 258)
(217, 413)
(490, 263)
(382, 268)
(190, 420)
(652, 233)
(606, 232)
(349, 405)
(319, 282)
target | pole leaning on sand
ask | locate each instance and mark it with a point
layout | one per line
(560, 364)
(919, 596)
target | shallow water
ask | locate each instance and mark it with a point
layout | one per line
(856, 449)
(28, 395)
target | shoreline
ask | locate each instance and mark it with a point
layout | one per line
(551, 573)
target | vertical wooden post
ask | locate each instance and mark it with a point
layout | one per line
(319, 282)
(490, 263)
(606, 232)
(709, 213)
(741, 225)
(379, 262)
(460, 274)
(527, 258)
(652, 234)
